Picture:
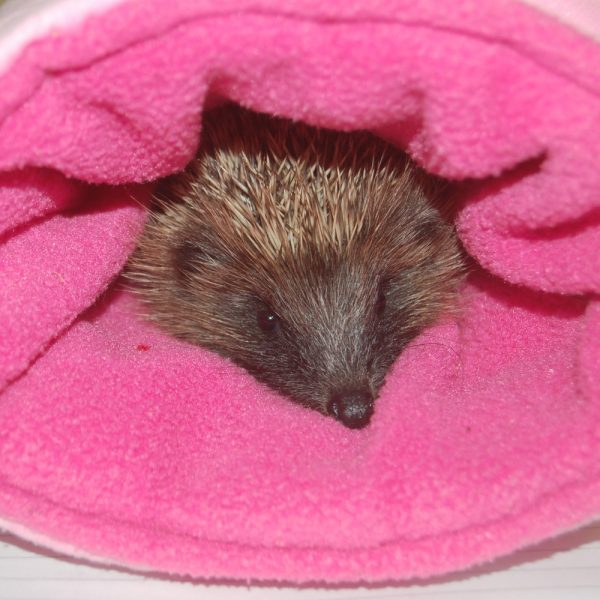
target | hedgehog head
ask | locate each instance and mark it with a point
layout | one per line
(311, 258)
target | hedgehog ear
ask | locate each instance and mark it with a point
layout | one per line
(198, 251)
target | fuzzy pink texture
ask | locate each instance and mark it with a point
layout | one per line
(119, 442)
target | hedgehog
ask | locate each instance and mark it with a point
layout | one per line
(310, 257)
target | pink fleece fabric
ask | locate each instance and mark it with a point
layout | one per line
(119, 442)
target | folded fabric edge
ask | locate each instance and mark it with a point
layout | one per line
(392, 562)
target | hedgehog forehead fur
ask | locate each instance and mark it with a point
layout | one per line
(310, 257)
(285, 189)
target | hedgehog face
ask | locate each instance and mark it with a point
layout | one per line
(323, 336)
(337, 336)
(320, 338)
(323, 333)
(319, 334)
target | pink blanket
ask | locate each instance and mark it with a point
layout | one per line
(120, 443)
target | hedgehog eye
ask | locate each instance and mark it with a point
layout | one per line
(268, 321)
(380, 301)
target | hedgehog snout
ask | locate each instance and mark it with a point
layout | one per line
(352, 407)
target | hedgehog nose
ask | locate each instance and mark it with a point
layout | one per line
(353, 407)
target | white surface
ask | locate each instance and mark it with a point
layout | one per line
(582, 15)
(22, 21)
(566, 568)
